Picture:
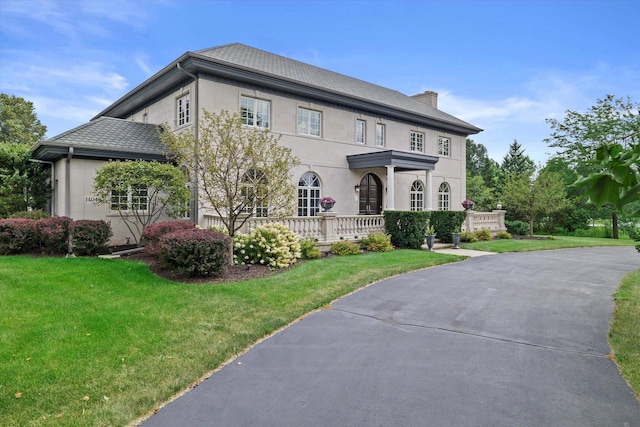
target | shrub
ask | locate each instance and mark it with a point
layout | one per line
(483, 235)
(377, 242)
(273, 245)
(195, 252)
(503, 235)
(17, 235)
(309, 249)
(345, 247)
(468, 237)
(34, 214)
(90, 237)
(447, 222)
(53, 234)
(406, 228)
(519, 228)
(151, 235)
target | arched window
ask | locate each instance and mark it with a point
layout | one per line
(444, 197)
(308, 194)
(254, 192)
(417, 196)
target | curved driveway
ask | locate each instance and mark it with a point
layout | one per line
(504, 340)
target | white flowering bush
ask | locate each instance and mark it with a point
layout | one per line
(273, 245)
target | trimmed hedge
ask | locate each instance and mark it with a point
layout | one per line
(406, 228)
(17, 235)
(90, 237)
(446, 222)
(195, 252)
(151, 235)
(53, 234)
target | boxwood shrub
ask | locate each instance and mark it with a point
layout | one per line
(377, 242)
(195, 252)
(345, 247)
(406, 228)
(446, 222)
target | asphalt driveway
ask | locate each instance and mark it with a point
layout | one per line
(503, 340)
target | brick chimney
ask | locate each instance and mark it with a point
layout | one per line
(429, 97)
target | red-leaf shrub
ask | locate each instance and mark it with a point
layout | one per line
(90, 236)
(53, 234)
(17, 235)
(151, 235)
(195, 252)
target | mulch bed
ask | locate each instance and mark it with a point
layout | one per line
(234, 273)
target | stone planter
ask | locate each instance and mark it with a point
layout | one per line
(431, 240)
(455, 239)
(326, 206)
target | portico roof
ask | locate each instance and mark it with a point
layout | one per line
(401, 160)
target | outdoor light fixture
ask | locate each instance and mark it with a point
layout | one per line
(356, 188)
(499, 205)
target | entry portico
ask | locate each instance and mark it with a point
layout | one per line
(396, 161)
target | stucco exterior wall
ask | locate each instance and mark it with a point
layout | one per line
(327, 155)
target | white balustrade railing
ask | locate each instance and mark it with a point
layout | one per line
(358, 226)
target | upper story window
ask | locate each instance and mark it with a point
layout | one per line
(417, 196)
(255, 112)
(308, 194)
(361, 130)
(380, 134)
(444, 197)
(417, 141)
(444, 146)
(183, 110)
(309, 122)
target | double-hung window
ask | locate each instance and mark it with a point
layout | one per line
(255, 112)
(444, 146)
(183, 110)
(417, 141)
(309, 122)
(380, 134)
(361, 130)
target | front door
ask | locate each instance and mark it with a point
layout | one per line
(370, 195)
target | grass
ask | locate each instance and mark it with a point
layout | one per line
(87, 341)
(558, 242)
(624, 335)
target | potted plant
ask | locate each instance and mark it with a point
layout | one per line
(455, 237)
(327, 203)
(468, 204)
(430, 236)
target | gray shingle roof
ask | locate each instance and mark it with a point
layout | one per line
(285, 68)
(105, 136)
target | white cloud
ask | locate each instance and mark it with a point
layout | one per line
(142, 60)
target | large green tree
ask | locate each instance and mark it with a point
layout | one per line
(142, 192)
(599, 144)
(18, 121)
(241, 171)
(516, 162)
(534, 197)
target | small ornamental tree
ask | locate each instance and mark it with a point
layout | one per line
(141, 192)
(241, 171)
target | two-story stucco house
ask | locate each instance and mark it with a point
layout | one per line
(368, 147)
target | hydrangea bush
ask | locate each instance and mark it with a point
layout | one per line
(273, 245)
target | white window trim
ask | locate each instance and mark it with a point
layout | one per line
(381, 136)
(361, 131)
(187, 118)
(300, 130)
(416, 197)
(256, 102)
(444, 203)
(441, 146)
(414, 144)
(313, 202)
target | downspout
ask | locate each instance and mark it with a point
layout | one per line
(67, 184)
(195, 190)
(53, 184)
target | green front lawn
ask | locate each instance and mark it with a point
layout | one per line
(86, 341)
(558, 242)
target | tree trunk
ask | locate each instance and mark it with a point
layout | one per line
(614, 224)
(531, 228)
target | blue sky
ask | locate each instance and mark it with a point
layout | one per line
(504, 66)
